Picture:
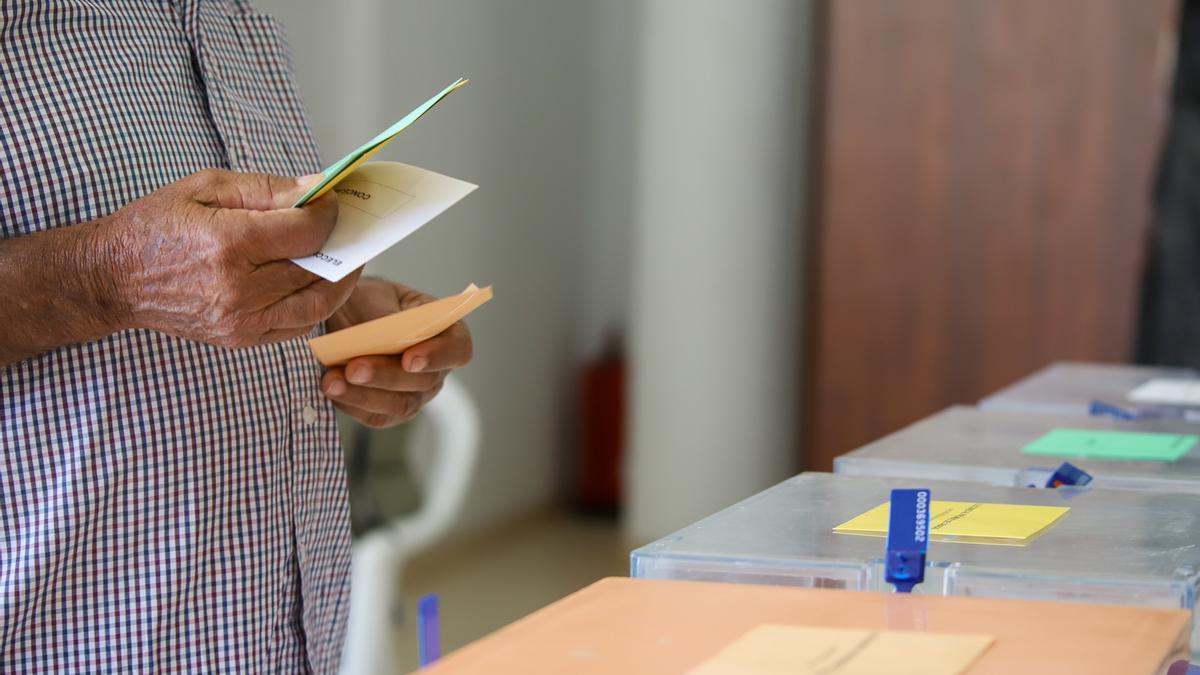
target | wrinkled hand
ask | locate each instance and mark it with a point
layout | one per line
(382, 391)
(207, 258)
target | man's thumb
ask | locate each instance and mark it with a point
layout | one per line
(288, 198)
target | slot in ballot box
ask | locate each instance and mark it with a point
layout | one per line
(1069, 388)
(634, 627)
(964, 443)
(1114, 547)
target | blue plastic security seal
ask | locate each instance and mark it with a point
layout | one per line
(907, 539)
(1069, 475)
(1183, 668)
(429, 642)
(1102, 409)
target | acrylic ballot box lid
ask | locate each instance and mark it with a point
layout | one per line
(634, 626)
(1116, 547)
(964, 443)
(1071, 388)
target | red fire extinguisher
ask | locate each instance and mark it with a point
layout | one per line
(601, 432)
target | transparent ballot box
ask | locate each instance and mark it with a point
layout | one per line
(964, 443)
(1113, 547)
(1098, 388)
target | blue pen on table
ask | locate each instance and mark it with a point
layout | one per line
(907, 539)
(429, 642)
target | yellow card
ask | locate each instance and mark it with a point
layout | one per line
(968, 522)
(807, 650)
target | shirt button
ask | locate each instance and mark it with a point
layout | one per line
(309, 414)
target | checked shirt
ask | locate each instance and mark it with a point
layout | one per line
(165, 505)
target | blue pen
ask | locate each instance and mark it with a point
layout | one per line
(907, 539)
(429, 642)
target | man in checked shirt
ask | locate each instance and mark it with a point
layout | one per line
(172, 495)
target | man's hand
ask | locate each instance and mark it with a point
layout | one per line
(207, 258)
(382, 391)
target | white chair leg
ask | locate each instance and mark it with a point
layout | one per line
(379, 554)
(370, 638)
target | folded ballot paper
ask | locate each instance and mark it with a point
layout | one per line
(968, 522)
(394, 333)
(379, 203)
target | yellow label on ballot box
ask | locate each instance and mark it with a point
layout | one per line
(810, 650)
(968, 522)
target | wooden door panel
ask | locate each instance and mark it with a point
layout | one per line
(982, 198)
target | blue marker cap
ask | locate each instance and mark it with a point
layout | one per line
(1069, 475)
(907, 539)
(429, 642)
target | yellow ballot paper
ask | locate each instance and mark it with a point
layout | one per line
(394, 333)
(378, 205)
(808, 650)
(968, 522)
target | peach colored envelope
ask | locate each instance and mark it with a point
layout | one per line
(652, 627)
(394, 333)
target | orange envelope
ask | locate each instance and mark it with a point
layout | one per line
(651, 627)
(394, 333)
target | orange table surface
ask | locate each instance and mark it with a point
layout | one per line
(632, 626)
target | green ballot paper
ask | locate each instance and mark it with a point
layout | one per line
(344, 166)
(1114, 445)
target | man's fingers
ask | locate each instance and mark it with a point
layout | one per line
(397, 404)
(284, 277)
(283, 233)
(410, 298)
(284, 334)
(373, 420)
(285, 198)
(452, 348)
(387, 372)
(311, 304)
(251, 191)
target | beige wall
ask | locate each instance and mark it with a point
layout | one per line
(717, 255)
(519, 131)
(629, 152)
